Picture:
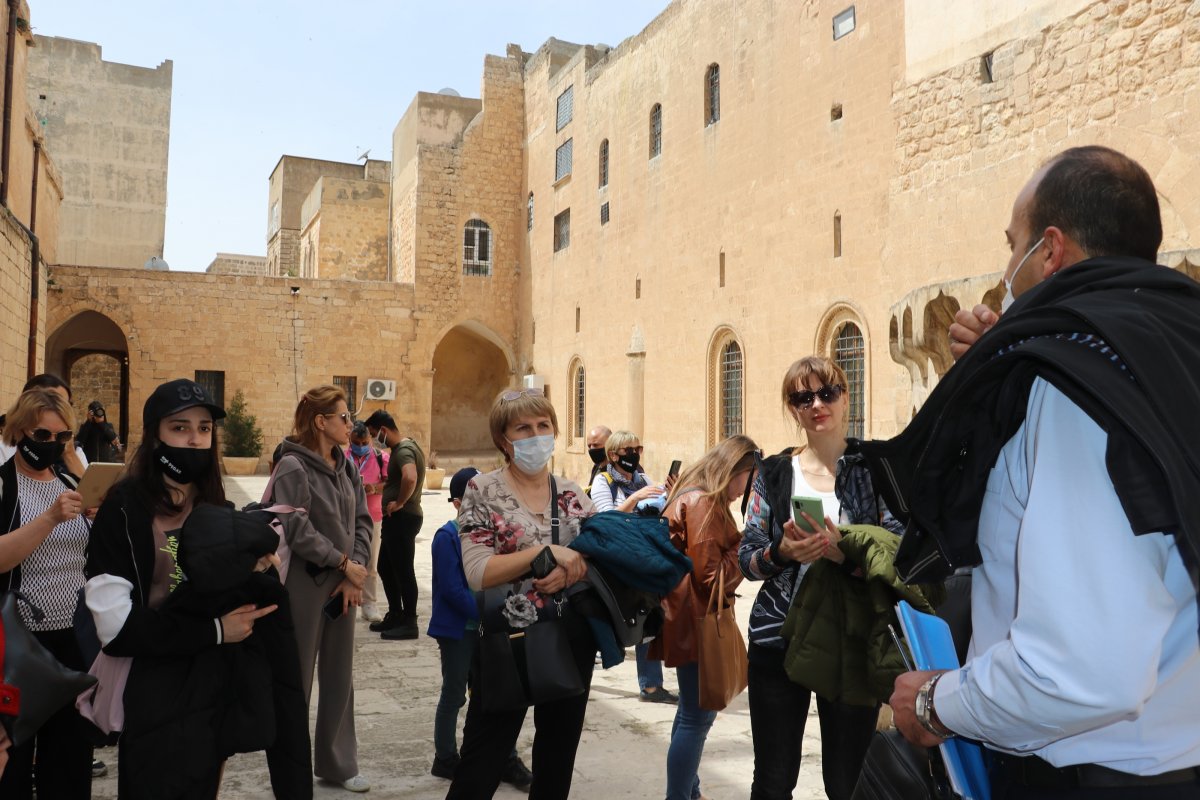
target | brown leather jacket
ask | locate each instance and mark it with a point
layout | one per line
(710, 540)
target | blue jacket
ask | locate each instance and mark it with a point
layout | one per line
(454, 607)
(636, 549)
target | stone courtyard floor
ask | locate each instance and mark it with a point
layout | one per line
(622, 753)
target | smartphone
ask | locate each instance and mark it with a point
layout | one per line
(673, 472)
(809, 505)
(333, 607)
(97, 479)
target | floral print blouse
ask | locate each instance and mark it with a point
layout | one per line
(492, 521)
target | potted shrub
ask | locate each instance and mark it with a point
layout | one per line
(434, 475)
(243, 438)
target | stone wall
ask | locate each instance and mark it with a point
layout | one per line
(15, 280)
(345, 230)
(108, 127)
(270, 344)
(290, 184)
(237, 264)
(97, 377)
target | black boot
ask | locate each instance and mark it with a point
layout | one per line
(387, 622)
(401, 629)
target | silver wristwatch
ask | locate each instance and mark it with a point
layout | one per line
(924, 709)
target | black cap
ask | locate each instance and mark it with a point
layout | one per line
(381, 419)
(175, 396)
(458, 484)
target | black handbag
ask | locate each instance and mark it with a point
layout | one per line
(524, 665)
(896, 769)
(44, 683)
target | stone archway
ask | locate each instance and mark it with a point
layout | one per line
(468, 372)
(91, 353)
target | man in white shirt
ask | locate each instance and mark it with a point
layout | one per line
(1083, 674)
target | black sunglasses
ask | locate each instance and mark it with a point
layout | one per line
(43, 435)
(804, 400)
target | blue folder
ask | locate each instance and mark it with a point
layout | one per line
(932, 647)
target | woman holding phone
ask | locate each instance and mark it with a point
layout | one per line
(777, 550)
(42, 555)
(330, 542)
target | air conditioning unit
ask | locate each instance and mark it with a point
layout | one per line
(379, 389)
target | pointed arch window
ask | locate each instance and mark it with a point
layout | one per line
(712, 94)
(604, 163)
(577, 381)
(731, 389)
(849, 353)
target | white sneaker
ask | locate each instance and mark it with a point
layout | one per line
(357, 784)
(370, 612)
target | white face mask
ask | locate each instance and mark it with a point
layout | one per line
(533, 454)
(1008, 282)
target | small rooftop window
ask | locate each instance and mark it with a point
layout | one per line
(843, 23)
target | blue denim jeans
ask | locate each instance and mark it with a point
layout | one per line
(688, 734)
(456, 655)
(649, 670)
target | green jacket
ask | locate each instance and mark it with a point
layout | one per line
(836, 628)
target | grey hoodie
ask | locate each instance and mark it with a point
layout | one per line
(335, 519)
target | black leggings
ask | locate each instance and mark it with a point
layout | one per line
(397, 550)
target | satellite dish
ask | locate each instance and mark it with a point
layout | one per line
(449, 92)
(157, 264)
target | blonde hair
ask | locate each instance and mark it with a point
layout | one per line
(24, 414)
(620, 439)
(524, 405)
(316, 401)
(713, 473)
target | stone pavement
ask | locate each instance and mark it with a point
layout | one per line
(622, 753)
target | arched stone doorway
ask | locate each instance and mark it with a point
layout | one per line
(91, 353)
(468, 372)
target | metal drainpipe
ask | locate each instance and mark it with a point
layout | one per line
(6, 133)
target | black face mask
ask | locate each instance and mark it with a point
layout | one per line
(630, 462)
(40, 455)
(182, 464)
(598, 455)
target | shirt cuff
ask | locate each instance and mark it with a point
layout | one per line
(220, 631)
(949, 703)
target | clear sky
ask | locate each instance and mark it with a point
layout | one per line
(257, 79)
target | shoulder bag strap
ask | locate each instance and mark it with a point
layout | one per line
(553, 510)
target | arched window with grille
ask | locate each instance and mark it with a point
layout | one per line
(712, 94)
(849, 353)
(577, 381)
(656, 130)
(604, 163)
(477, 248)
(726, 413)
(731, 389)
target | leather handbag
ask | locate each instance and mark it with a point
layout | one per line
(45, 684)
(722, 651)
(523, 665)
(896, 769)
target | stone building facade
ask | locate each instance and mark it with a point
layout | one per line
(237, 264)
(108, 126)
(655, 231)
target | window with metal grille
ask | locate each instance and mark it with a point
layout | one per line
(213, 381)
(477, 248)
(566, 106)
(604, 213)
(580, 400)
(529, 214)
(562, 230)
(712, 94)
(656, 130)
(562, 160)
(731, 389)
(604, 163)
(349, 385)
(849, 353)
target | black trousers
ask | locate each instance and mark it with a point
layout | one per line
(397, 550)
(778, 712)
(63, 745)
(1003, 789)
(489, 737)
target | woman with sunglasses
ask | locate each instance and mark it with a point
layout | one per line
(505, 522)
(774, 550)
(42, 555)
(703, 528)
(330, 541)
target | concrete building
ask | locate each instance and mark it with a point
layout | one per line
(655, 231)
(108, 126)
